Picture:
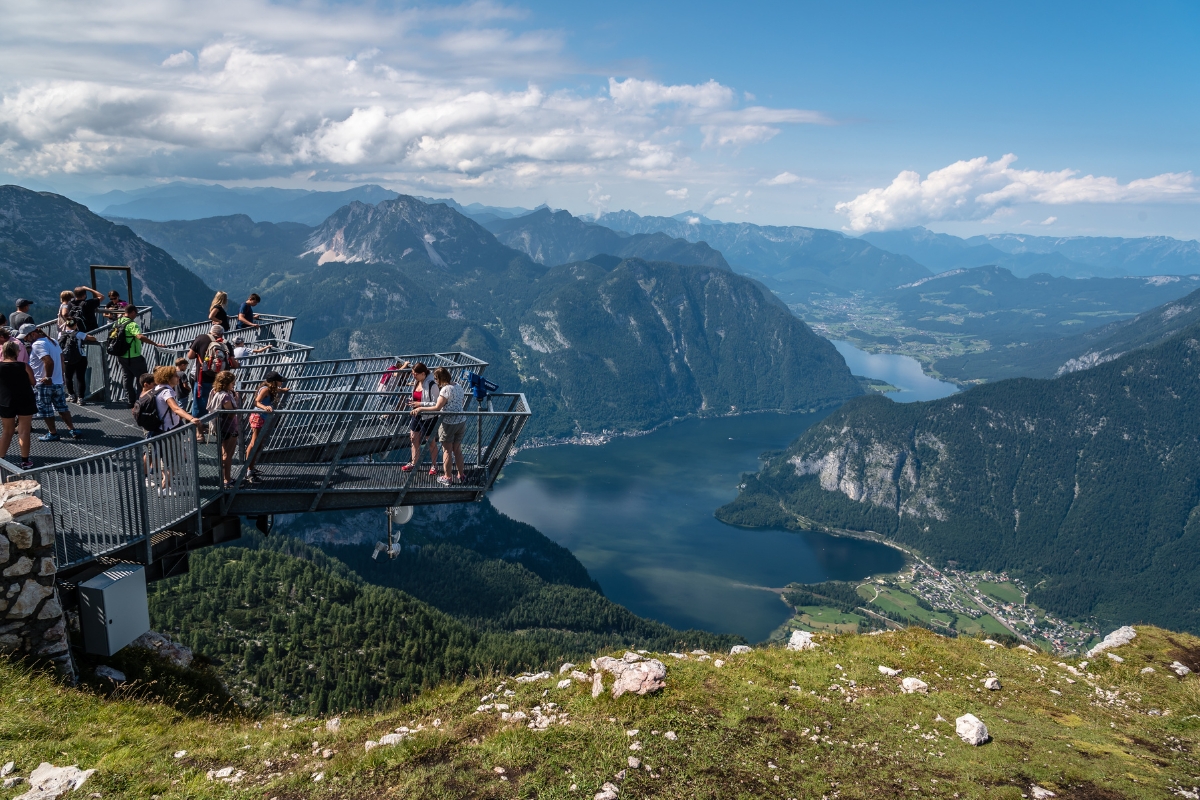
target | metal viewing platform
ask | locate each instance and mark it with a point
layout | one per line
(338, 440)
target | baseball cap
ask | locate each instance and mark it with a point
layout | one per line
(27, 329)
(240, 340)
(24, 302)
(273, 377)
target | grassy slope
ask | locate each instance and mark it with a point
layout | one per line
(1094, 740)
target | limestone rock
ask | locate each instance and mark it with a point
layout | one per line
(567, 667)
(891, 673)
(391, 738)
(801, 640)
(114, 675)
(1038, 793)
(5, 517)
(333, 725)
(1120, 636)
(670, 736)
(718, 663)
(49, 782)
(640, 677)
(992, 684)
(1115, 658)
(971, 729)
(582, 677)
(20, 535)
(32, 594)
(1179, 669)
(46, 567)
(23, 566)
(4, 549)
(597, 684)
(914, 686)
(22, 506)
(1147, 670)
(633, 762)
(607, 792)
(11, 781)
(172, 652)
(738, 649)
(541, 676)
(7, 768)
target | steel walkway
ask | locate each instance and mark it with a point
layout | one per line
(338, 440)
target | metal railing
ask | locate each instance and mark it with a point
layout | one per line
(104, 372)
(176, 341)
(356, 374)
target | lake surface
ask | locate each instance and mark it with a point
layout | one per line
(638, 512)
(903, 372)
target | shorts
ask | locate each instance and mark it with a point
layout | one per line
(451, 433)
(257, 422)
(424, 424)
(51, 400)
(26, 409)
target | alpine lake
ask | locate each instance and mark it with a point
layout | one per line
(638, 513)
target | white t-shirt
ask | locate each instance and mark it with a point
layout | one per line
(45, 346)
(454, 403)
(168, 417)
(242, 351)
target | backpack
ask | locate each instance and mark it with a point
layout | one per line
(216, 357)
(145, 413)
(118, 343)
(68, 341)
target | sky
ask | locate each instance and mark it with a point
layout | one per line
(1049, 118)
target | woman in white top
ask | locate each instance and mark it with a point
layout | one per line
(422, 428)
(450, 400)
(166, 382)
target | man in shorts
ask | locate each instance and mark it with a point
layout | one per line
(45, 359)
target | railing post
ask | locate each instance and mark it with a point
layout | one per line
(196, 478)
(144, 515)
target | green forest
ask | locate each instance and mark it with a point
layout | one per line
(1086, 485)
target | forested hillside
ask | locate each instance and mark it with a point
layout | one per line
(1087, 485)
(48, 242)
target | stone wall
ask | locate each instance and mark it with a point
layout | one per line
(32, 624)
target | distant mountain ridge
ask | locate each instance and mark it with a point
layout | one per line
(557, 237)
(47, 243)
(1072, 256)
(1086, 484)
(793, 260)
(184, 201)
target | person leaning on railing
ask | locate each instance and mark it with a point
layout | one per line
(133, 363)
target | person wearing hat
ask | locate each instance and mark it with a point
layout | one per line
(22, 316)
(269, 393)
(45, 359)
(133, 363)
(241, 349)
(212, 355)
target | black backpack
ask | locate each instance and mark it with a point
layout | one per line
(145, 413)
(68, 341)
(118, 343)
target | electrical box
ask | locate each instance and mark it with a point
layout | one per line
(113, 610)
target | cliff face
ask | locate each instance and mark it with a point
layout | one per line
(1088, 481)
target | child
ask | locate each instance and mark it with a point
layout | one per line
(265, 398)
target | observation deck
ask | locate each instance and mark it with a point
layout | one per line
(338, 440)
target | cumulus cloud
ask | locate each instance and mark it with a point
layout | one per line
(441, 96)
(678, 194)
(979, 189)
(782, 179)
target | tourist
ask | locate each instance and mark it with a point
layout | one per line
(152, 428)
(22, 317)
(184, 391)
(45, 359)
(7, 335)
(17, 402)
(86, 307)
(132, 362)
(453, 424)
(172, 415)
(216, 311)
(422, 426)
(246, 317)
(268, 394)
(115, 306)
(242, 350)
(212, 355)
(226, 426)
(71, 341)
(66, 307)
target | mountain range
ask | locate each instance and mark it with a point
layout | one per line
(47, 243)
(1085, 485)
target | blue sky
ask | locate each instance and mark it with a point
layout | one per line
(781, 113)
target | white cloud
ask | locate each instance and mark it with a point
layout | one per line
(1049, 220)
(782, 179)
(440, 96)
(678, 194)
(980, 189)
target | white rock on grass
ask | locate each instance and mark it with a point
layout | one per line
(582, 677)
(1115, 658)
(1179, 669)
(633, 762)
(7, 768)
(180, 753)
(170, 651)
(891, 673)
(1026, 648)
(567, 667)
(1038, 793)
(607, 792)
(971, 729)
(333, 725)
(914, 686)
(541, 676)
(670, 736)
(992, 684)
(801, 640)
(718, 663)
(597, 684)
(564, 683)
(639, 677)
(1120, 636)
(1147, 670)
(992, 643)
(114, 675)
(738, 649)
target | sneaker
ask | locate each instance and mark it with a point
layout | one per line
(70, 398)
(433, 471)
(253, 477)
(444, 481)
(27, 464)
(407, 468)
(74, 434)
(49, 437)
